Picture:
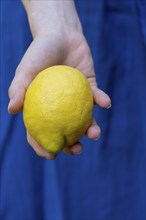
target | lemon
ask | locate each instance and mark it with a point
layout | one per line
(58, 107)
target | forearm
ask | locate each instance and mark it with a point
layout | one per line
(47, 16)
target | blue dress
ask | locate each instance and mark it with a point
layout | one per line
(108, 180)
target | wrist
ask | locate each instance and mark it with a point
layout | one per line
(52, 16)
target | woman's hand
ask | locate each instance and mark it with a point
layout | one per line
(58, 39)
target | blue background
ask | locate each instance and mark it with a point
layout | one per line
(107, 181)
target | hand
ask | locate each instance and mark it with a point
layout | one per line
(66, 47)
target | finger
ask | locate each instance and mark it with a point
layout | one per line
(101, 98)
(35, 59)
(74, 149)
(40, 151)
(93, 131)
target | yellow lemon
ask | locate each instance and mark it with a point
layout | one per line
(58, 107)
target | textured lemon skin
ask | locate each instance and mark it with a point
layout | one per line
(58, 107)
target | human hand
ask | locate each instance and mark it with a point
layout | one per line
(63, 43)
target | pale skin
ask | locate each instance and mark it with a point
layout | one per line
(57, 39)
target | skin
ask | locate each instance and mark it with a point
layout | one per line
(57, 39)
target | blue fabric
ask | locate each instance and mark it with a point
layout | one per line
(107, 181)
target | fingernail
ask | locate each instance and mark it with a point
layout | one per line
(76, 150)
(96, 138)
(109, 106)
(77, 153)
(10, 106)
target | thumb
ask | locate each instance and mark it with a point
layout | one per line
(36, 58)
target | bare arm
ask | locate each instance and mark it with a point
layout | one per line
(50, 16)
